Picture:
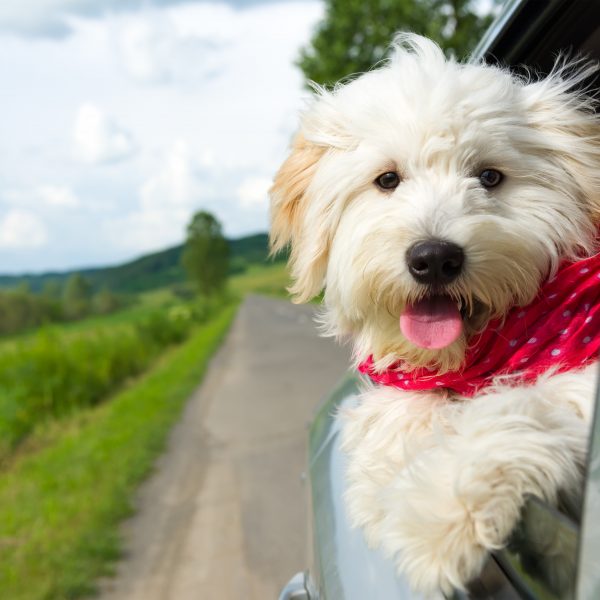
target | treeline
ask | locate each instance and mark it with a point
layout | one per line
(20, 309)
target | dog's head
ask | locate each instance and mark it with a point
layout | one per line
(429, 196)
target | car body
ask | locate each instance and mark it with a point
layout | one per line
(552, 555)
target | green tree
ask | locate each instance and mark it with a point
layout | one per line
(76, 297)
(105, 302)
(205, 256)
(356, 34)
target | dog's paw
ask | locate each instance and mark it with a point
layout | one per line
(445, 511)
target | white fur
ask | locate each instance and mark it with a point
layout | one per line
(438, 480)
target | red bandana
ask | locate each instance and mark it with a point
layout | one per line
(559, 329)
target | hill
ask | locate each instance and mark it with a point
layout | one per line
(149, 271)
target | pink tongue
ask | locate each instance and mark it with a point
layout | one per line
(433, 322)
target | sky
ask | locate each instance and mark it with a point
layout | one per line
(121, 118)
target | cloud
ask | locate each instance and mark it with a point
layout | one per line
(253, 192)
(167, 200)
(52, 196)
(57, 195)
(21, 229)
(156, 50)
(98, 139)
(54, 18)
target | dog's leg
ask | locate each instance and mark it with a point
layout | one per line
(462, 496)
(379, 436)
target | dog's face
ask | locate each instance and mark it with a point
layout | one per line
(428, 197)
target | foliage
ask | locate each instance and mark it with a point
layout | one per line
(60, 508)
(206, 253)
(21, 310)
(76, 297)
(55, 372)
(356, 34)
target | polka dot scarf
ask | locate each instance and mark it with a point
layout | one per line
(560, 329)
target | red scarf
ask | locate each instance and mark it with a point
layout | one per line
(560, 329)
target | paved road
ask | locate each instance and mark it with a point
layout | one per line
(223, 517)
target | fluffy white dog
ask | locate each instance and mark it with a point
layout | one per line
(451, 213)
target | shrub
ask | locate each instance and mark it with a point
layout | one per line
(55, 372)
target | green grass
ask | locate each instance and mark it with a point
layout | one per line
(60, 507)
(270, 280)
(58, 371)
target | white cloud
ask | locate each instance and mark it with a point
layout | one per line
(157, 50)
(167, 199)
(176, 183)
(57, 195)
(21, 229)
(47, 195)
(253, 192)
(98, 139)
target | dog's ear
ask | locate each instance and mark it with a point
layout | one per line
(570, 125)
(289, 205)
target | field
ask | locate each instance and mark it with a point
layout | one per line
(270, 280)
(60, 504)
(85, 407)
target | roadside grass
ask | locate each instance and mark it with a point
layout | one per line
(271, 280)
(58, 371)
(61, 506)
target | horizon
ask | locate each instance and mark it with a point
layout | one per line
(101, 267)
(140, 123)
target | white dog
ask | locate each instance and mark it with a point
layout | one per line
(451, 213)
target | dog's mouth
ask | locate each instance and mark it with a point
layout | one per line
(434, 321)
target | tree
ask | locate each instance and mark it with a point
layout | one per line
(105, 302)
(76, 297)
(356, 34)
(206, 253)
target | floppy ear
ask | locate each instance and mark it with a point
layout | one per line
(290, 199)
(571, 128)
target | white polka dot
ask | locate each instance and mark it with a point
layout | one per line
(584, 271)
(521, 314)
(524, 360)
(589, 319)
(512, 343)
(532, 340)
(555, 352)
(598, 276)
(567, 313)
(438, 383)
(487, 360)
(586, 307)
(587, 339)
(573, 294)
(564, 331)
(552, 296)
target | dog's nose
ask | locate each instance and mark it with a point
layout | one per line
(435, 262)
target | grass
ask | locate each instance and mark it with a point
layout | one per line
(271, 280)
(58, 371)
(60, 507)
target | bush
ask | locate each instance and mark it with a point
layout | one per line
(56, 372)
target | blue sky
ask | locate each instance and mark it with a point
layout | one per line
(120, 118)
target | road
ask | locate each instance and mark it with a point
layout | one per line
(224, 514)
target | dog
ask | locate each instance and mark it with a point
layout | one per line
(450, 213)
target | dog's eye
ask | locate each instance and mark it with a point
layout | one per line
(388, 181)
(490, 178)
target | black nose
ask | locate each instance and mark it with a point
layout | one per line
(435, 262)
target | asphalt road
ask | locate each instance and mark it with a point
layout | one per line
(224, 515)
